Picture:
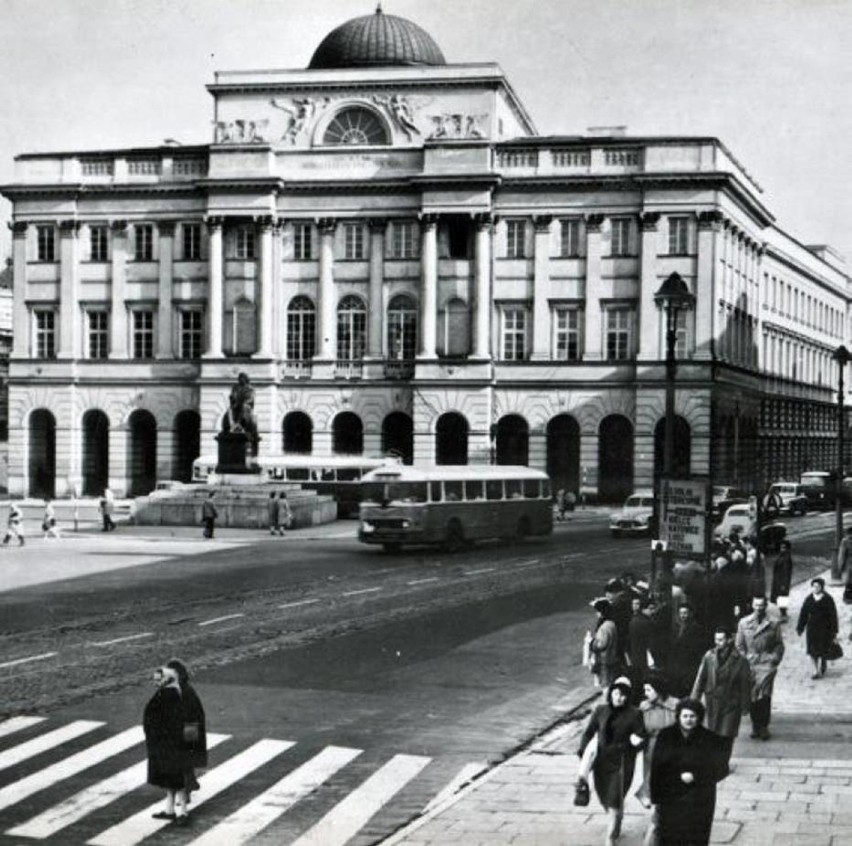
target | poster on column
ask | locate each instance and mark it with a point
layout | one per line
(683, 516)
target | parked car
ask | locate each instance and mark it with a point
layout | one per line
(742, 520)
(724, 497)
(789, 496)
(636, 516)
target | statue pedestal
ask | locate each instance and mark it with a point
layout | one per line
(235, 454)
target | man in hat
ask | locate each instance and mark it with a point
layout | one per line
(619, 598)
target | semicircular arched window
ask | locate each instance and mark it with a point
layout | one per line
(356, 126)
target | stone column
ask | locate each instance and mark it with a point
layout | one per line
(266, 227)
(69, 294)
(20, 318)
(165, 453)
(484, 233)
(215, 286)
(118, 310)
(541, 288)
(709, 226)
(279, 322)
(649, 323)
(117, 480)
(327, 341)
(377, 270)
(164, 308)
(593, 331)
(429, 285)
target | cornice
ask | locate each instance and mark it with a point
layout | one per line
(474, 180)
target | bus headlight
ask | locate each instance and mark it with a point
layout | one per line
(367, 528)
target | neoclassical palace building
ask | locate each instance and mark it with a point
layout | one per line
(398, 261)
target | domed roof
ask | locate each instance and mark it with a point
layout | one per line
(377, 39)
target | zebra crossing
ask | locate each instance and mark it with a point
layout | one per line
(114, 807)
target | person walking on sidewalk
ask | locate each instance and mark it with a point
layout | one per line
(688, 645)
(844, 564)
(724, 680)
(686, 766)
(818, 619)
(602, 646)
(48, 521)
(14, 525)
(782, 577)
(617, 731)
(759, 639)
(285, 513)
(209, 515)
(106, 504)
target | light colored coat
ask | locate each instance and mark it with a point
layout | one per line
(762, 645)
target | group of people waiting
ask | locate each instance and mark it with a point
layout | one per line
(663, 670)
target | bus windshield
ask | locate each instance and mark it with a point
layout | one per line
(386, 492)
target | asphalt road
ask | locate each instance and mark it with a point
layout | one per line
(428, 666)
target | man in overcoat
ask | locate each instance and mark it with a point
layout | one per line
(688, 645)
(759, 639)
(724, 680)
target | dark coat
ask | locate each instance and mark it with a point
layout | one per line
(685, 811)
(782, 575)
(726, 686)
(616, 756)
(169, 760)
(818, 618)
(193, 712)
(688, 646)
(641, 633)
(620, 614)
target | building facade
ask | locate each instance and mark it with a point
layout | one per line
(399, 262)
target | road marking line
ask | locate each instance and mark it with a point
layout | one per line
(120, 639)
(463, 777)
(477, 572)
(220, 619)
(297, 604)
(91, 799)
(135, 829)
(17, 723)
(249, 820)
(43, 742)
(423, 581)
(39, 780)
(43, 657)
(363, 590)
(347, 818)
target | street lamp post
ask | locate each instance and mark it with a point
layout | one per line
(673, 297)
(842, 356)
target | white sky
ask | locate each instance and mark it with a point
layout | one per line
(771, 78)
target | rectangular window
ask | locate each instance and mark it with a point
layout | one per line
(678, 236)
(98, 332)
(570, 238)
(619, 330)
(566, 331)
(191, 327)
(245, 244)
(143, 242)
(620, 236)
(516, 231)
(98, 243)
(302, 241)
(45, 334)
(46, 243)
(403, 240)
(514, 334)
(682, 334)
(143, 334)
(353, 235)
(191, 241)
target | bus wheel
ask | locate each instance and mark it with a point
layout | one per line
(523, 528)
(391, 547)
(455, 537)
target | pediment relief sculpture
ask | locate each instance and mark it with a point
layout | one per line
(299, 112)
(457, 125)
(241, 131)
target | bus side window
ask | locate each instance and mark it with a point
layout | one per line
(327, 474)
(546, 486)
(473, 490)
(494, 489)
(531, 488)
(513, 489)
(435, 491)
(297, 474)
(348, 474)
(453, 491)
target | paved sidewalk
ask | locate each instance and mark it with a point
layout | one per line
(794, 790)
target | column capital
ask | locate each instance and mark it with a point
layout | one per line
(649, 221)
(118, 226)
(71, 226)
(542, 222)
(19, 228)
(377, 224)
(484, 220)
(166, 227)
(265, 221)
(327, 225)
(214, 222)
(710, 219)
(428, 220)
(594, 222)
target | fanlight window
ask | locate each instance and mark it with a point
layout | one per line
(356, 127)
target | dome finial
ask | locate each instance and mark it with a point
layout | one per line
(379, 7)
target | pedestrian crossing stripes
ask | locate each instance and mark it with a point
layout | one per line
(263, 784)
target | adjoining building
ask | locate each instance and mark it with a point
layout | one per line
(398, 261)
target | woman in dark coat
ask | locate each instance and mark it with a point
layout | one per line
(685, 766)
(194, 721)
(782, 575)
(619, 732)
(818, 619)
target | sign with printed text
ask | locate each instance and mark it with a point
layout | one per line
(683, 516)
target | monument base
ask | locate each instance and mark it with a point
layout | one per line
(235, 454)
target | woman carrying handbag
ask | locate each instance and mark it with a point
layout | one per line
(818, 619)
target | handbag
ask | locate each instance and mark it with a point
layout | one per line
(191, 733)
(834, 651)
(784, 602)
